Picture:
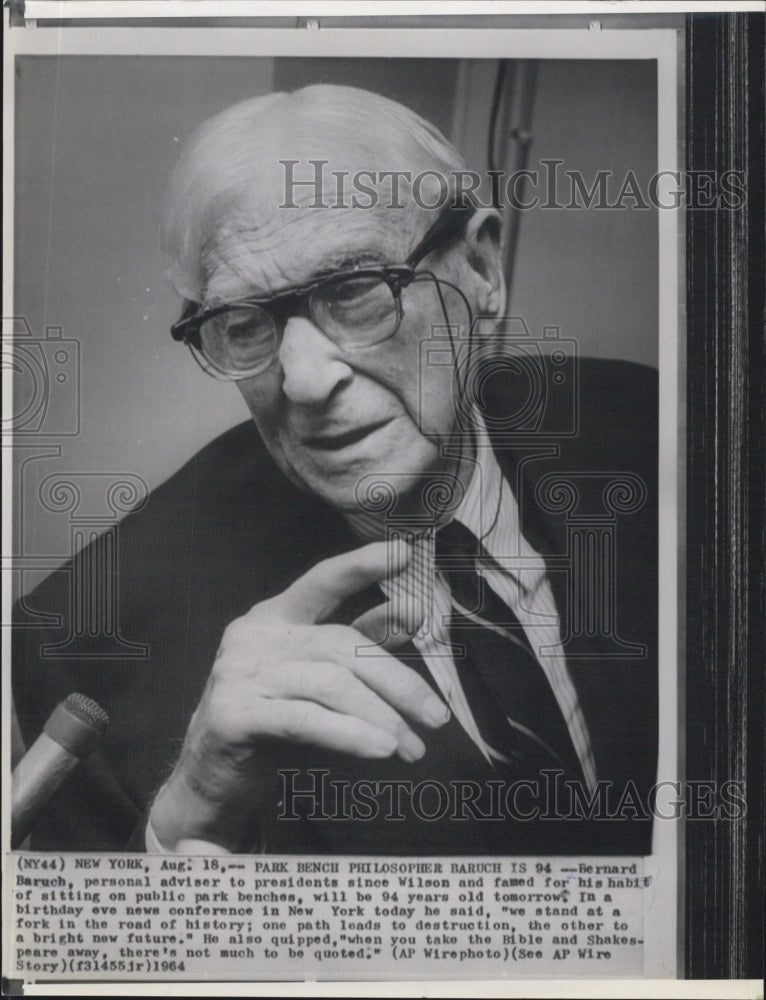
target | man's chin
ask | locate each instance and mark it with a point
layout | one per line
(370, 480)
(375, 491)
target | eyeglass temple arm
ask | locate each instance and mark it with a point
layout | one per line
(450, 223)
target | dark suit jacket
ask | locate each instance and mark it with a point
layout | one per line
(228, 530)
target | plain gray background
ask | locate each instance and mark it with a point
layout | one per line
(96, 140)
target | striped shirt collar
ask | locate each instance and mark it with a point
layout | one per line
(488, 509)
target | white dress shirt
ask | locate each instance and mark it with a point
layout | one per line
(517, 575)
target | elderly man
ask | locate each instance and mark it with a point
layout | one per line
(371, 627)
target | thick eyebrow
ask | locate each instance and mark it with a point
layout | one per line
(348, 261)
(341, 262)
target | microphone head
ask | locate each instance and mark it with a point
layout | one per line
(87, 710)
(77, 724)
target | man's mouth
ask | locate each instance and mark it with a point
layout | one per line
(338, 441)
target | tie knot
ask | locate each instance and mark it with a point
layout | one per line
(454, 539)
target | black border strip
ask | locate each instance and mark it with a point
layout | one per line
(725, 496)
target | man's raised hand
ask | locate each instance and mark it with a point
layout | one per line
(281, 673)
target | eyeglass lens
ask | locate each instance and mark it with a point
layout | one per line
(353, 312)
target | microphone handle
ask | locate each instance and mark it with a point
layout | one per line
(70, 734)
(45, 766)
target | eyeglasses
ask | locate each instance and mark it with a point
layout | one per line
(355, 308)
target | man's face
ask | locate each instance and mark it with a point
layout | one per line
(329, 416)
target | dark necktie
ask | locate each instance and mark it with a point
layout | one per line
(500, 674)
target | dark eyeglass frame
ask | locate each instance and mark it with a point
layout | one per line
(297, 301)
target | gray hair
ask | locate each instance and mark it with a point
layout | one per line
(229, 166)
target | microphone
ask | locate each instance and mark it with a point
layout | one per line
(70, 734)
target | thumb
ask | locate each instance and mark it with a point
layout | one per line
(315, 595)
(383, 626)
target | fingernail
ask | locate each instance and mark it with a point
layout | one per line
(411, 747)
(382, 745)
(435, 711)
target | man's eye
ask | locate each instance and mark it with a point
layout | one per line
(239, 339)
(242, 331)
(358, 299)
(243, 325)
(352, 292)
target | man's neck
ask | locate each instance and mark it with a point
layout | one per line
(429, 504)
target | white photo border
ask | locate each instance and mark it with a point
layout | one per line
(660, 44)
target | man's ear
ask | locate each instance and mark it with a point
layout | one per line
(483, 240)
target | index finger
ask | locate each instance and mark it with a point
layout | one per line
(315, 595)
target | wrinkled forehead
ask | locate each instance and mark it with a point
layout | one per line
(292, 248)
(308, 201)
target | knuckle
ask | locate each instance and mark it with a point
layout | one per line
(268, 610)
(249, 648)
(221, 671)
(227, 665)
(238, 673)
(331, 686)
(295, 721)
(236, 632)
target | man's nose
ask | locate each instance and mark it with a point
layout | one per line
(312, 364)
